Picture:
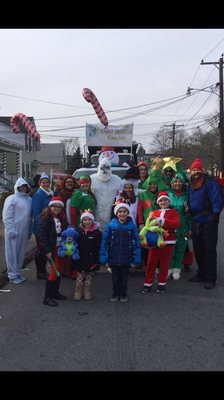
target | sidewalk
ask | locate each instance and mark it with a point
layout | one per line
(31, 247)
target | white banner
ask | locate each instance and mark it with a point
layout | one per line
(112, 135)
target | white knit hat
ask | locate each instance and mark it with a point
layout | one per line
(87, 213)
(121, 205)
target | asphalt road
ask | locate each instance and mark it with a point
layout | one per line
(180, 330)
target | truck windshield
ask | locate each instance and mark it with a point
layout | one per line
(123, 157)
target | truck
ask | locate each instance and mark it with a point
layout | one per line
(127, 154)
(120, 138)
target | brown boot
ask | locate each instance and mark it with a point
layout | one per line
(78, 291)
(87, 288)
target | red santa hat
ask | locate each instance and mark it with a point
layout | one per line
(56, 200)
(197, 163)
(106, 148)
(162, 195)
(87, 213)
(121, 205)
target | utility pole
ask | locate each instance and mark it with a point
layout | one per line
(221, 122)
(174, 125)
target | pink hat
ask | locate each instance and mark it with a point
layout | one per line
(56, 200)
(162, 195)
(197, 163)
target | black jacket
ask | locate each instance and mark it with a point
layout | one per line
(89, 247)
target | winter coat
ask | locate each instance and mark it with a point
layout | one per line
(205, 201)
(47, 236)
(89, 248)
(40, 201)
(120, 243)
(170, 221)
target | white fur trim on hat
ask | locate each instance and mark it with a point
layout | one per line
(121, 205)
(54, 202)
(163, 196)
(87, 214)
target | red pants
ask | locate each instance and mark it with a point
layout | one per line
(158, 257)
(58, 262)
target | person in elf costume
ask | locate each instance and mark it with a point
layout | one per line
(178, 195)
(171, 166)
(81, 200)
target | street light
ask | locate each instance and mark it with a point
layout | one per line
(221, 122)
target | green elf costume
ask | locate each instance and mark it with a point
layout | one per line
(178, 198)
(148, 199)
(82, 199)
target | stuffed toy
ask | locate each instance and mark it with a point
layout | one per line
(152, 235)
(69, 246)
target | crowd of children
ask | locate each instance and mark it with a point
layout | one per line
(151, 218)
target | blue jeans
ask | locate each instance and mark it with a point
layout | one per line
(120, 279)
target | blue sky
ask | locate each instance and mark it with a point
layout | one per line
(123, 67)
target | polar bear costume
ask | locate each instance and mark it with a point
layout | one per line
(17, 219)
(105, 187)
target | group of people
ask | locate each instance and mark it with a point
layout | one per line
(146, 217)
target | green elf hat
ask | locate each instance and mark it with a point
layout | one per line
(181, 177)
(156, 176)
(84, 179)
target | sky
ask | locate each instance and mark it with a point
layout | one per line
(43, 73)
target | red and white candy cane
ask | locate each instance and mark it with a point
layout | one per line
(26, 122)
(91, 98)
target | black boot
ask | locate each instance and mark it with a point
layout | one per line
(57, 295)
(41, 267)
(49, 291)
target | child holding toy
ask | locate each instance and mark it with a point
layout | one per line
(52, 223)
(169, 220)
(89, 241)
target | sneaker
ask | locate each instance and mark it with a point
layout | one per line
(114, 298)
(146, 289)
(16, 280)
(196, 278)
(123, 299)
(161, 288)
(22, 278)
(176, 275)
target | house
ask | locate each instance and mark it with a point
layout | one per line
(17, 153)
(51, 157)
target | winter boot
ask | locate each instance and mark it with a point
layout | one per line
(57, 295)
(78, 290)
(87, 288)
(49, 292)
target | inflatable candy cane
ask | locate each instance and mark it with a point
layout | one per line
(26, 122)
(91, 98)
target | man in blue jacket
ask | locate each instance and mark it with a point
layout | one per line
(205, 206)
